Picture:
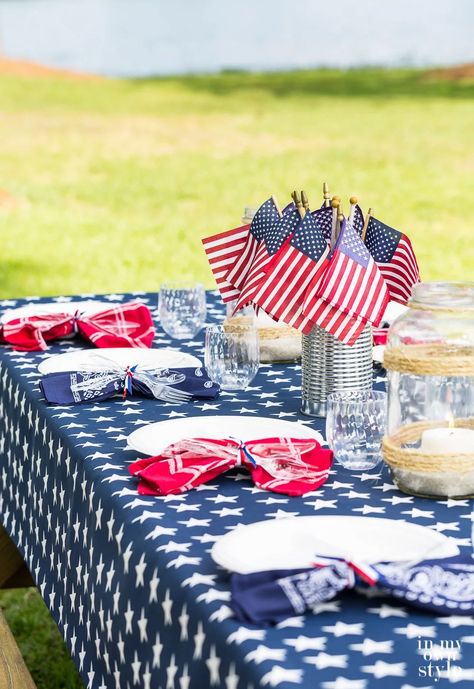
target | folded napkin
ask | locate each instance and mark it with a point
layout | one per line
(443, 586)
(125, 325)
(282, 465)
(77, 387)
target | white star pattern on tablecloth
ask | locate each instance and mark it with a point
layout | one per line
(129, 578)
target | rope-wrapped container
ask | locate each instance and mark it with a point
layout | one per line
(328, 365)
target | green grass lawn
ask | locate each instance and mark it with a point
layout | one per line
(115, 182)
(109, 186)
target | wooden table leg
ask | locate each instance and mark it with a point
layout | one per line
(13, 671)
(13, 571)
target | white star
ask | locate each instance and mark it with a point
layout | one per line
(307, 643)
(183, 620)
(136, 669)
(147, 514)
(262, 653)
(194, 522)
(199, 639)
(228, 512)
(341, 628)
(456, 620)
(324, 660)
(195, 579)
(382, 669)
(291, 622)
(411, 631)
(167, 604)
(279, 674)
(369, 646)
(213, 594)
(171, 671)
(154, 581)
(142, 625)
(223, 613)
(388, 611)
(213, 664)
(322, 504)
(140, 571)
(246, 634)
(185, 678)
(344, 683)
(157, 649)
(128, 618)
(369, 509)
(173, 547)
(183, 560)
(281, 514)
(232, 679)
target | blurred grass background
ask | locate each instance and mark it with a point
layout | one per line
(109, 185)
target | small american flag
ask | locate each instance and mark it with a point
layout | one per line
(351, 286)
(394, 255)
(274, 240)
(299, 261)
(222, 251)
(264, 219)
(357, 219)
(323, 217)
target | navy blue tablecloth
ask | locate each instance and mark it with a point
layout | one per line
(130, 581)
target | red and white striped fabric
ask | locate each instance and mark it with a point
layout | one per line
(402, 272)
(282, 465)
(222, 251)
(352, 287)
(266, 252)
(264, 219)
(394, 255)
(299, 262)
(124, 325)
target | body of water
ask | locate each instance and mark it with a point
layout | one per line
(146, 37)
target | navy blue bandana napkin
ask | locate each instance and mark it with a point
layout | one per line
(78, 387)
(444, 586)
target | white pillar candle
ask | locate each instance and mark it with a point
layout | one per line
(446, 440)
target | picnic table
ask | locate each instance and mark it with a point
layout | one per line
(130, 581)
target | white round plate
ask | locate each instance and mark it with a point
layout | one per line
(69, 307)
(123, 356)
(152, 439)
(292, 543)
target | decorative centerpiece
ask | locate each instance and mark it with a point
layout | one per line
(322, 274)
(430, 364)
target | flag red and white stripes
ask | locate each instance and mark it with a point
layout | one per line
(222, 251)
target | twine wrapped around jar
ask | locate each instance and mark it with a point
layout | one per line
(430, 360)
(413, 459)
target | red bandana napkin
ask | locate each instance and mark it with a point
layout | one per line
(126, 325)
(282, 465)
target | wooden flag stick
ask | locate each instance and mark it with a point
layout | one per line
(304, 200)
(353, 201)
(276, 205)
(326, 195)
(335, 205)
(299, 205)
(366, 224)
(340, 218)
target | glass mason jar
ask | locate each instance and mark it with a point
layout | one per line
(429, 359)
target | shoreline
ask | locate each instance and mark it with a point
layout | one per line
(24, 68)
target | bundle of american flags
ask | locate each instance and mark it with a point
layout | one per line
(308, 268)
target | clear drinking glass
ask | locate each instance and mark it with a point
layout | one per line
(182, 309)
(232, 355)
(355, 426)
